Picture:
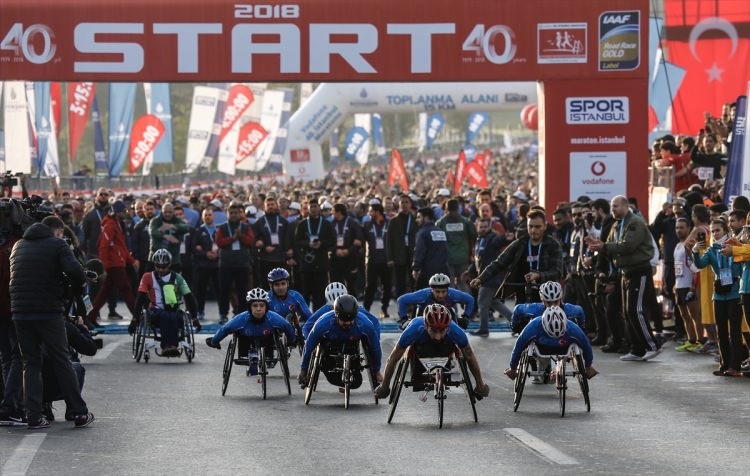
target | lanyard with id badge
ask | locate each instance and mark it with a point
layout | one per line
(340, 234)
(275, 232)
(379, 241)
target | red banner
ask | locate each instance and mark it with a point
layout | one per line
(55, 100)
(458, 176)
(80, 96)
(240, 98)
(476, 174)
(487, 155)
(398, 171)
(319, 40)
(709, 39)
(147, 132)
(251, 135)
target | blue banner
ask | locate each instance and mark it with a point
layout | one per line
(213, 144)
(161, 108)
(733, 182)
(121, 107)
(435, 124)
(378, 137)
(100, 155)
(275, 161)
(355, 138)
(42, 122)
(470, 152)
(474, 124)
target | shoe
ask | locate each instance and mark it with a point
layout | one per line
(384, 315)
(39, 424)
(707, 347)
(732, 373)
(113, 316)
(271, 363)
(611, 348)
(536, 380)
(170, 351)
(252, 358)
(223, 319)
(685, 347)
(83, 420)
(11, 419)
(201, 315)
(599, 341)
(659, 339)
(745, 366)
(651, 354)
(629, 357)
(719, 372)
(47, 411)
(480, 333)
(695, 346)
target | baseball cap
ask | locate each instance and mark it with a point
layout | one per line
(326, 206)
(295, 206)
(217, 203)
(444, 192)
(520, 195)
(251, 210)
(118, 206)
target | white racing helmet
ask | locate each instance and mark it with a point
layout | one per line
(550, 291)
(334, 290)
(554, 322)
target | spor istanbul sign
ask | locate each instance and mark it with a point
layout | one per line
(597, 110)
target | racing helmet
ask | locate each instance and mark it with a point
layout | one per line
(550, 291)
(554, 322)
(439, 280)
(277, 274)
(437, 315)
(345, 307)
(161, 257)
(334, 290)
(257, 294)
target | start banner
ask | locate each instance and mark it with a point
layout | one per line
(321, 40)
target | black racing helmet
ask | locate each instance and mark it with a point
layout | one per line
(345, 307)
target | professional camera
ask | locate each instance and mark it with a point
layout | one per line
(9, 179)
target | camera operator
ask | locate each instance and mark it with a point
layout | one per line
(37, 264)
(80, 341)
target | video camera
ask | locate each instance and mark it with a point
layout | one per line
(8, 179)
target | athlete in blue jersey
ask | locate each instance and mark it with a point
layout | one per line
(334, 290)
(553, 334)
(551, 295)
(342, 326)
(437, 293)
(434, 334)
(285, 301)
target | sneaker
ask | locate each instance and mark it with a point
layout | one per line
(83, 420)
(47, 411)
(630, 357)
(685, 347)
(651, 354)
(695, 346)
(745, 366)
(480, 333)
(384, 315)
(223, 319)
(12, 419)
(252, 358)
(707, 347)
(113, 316)
(732, 373)
(39, 424)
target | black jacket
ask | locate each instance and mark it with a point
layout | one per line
(550, 261)
(40, 265)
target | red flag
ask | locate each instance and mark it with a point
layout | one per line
(458, 177)
(487, 159)
(476, 174)
(449, 179)
(240, 98)
(398, 171)
(55, 100)
(709, 40)
(80, 96)
(147, 132)
(251, 135)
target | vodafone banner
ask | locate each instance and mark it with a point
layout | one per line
(148, 130)
(316, 40)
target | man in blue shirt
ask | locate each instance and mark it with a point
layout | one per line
(259, 323)
(333, 291)
(553, 333)
(343, 327)
(433, 335)
(439, 293)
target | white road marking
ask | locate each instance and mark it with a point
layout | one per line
(543, 449)
(20, 460)
(104, 352)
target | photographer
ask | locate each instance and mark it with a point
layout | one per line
(37, 264)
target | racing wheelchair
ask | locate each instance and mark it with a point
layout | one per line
(271, 350)
(344, 360)
(293, 319)
(564, 366)
(433, 374)
(147, 337)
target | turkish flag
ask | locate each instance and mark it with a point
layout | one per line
(711, 41)
(476, 174)
(240, 98)
(398, 171)
(251, 135)
(458, 176)
(147, 132)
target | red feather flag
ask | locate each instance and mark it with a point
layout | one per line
(147, 132)
(398, 171)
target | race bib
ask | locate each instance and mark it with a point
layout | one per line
(340, 241)
(705, 173)
(313, 238)
(183, 250)
(214, 247)
(438, 235)
(454, 227)
(236, 245)
(274, 239)
(379, 245)
(725, 276)
(678, 270)
(87, 303)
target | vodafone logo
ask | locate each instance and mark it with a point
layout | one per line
(598, 168)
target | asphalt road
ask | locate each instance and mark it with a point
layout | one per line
(667, 416)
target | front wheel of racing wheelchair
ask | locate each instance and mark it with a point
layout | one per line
(279, 354)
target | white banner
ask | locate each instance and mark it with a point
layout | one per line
(365, 122)
(205, 100)
(16, 120)
(228, 150)
(598, 174)
(305, 91)
(270, 119)
(52, 162)
(253, 113)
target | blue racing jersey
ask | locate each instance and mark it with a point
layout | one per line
(525, 312)
(534, 332)
(424, 297)
(294, 302)
(327, 307)
(250, 327)
(326, 329)
(416, 334)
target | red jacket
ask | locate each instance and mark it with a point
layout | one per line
(113, 251)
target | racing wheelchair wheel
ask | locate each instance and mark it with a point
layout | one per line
(346, 378)
(523, 369)
(560, 383)
(228, 362)
(314, 373)
(189, 337)
(440, 394)
(283, 360)
(263, 370)
(467, 383)
(403, 366)
(583, 382)
(140, 339)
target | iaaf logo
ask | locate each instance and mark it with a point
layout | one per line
(597, 110)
